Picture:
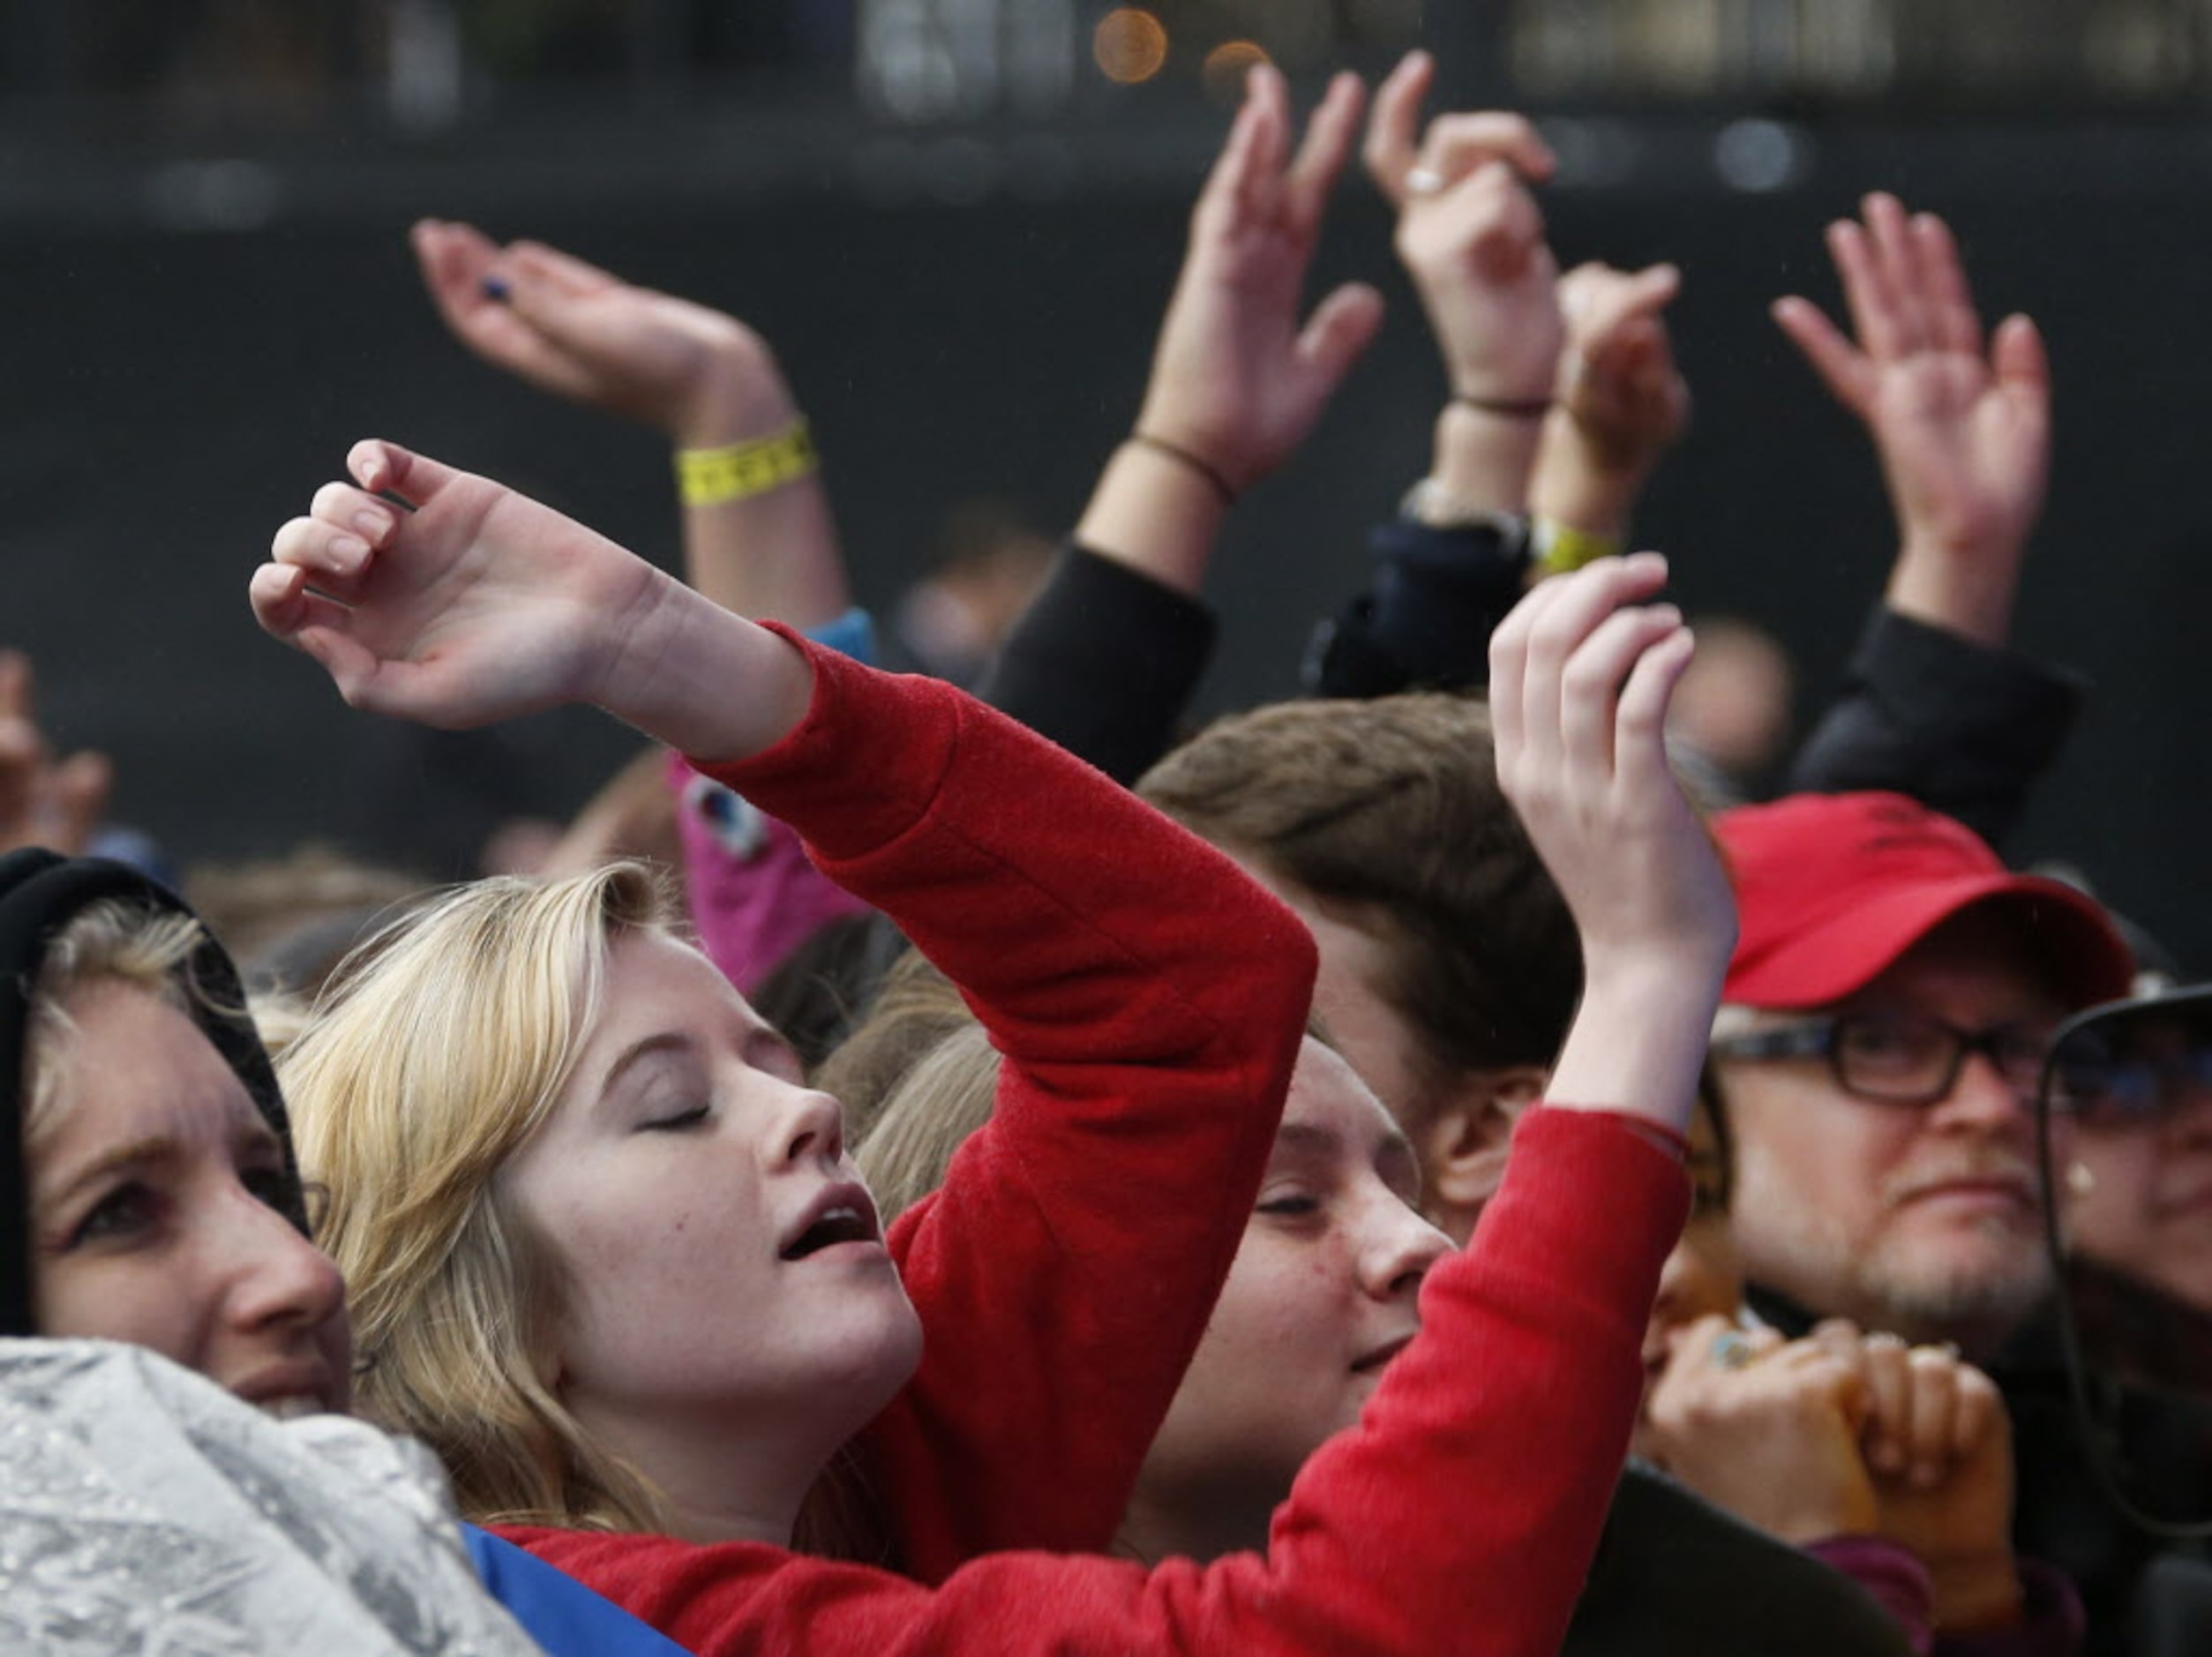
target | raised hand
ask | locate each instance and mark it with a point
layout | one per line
(1963, 428)
(1619, 389)
(1581, 673)
(1471, 236)
(581, 333)
(468, 603)
(1767, 1429)
(1237, 381)
(57, 804)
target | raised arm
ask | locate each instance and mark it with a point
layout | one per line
(757, 534)
(1622, 403)
(1938, 706)
(1148, 996)
(1469, 233)
(1472, 238)
(1105, 659)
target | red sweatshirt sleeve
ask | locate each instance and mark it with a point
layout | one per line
(1148, 998)
(1459, 1516)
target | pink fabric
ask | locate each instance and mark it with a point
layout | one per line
(754, 897)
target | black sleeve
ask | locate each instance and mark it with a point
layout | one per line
(1103, 662)
(1963, 729)
(1425, 623)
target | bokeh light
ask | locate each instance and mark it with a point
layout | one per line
(1227, 65)
(1130, 45)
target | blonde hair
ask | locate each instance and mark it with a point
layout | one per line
(942, 1098)
(113, 941)
(439, 1048)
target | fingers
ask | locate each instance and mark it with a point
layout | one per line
(563, 273)
(1393, 127)
(1594, 676)
(1866, 292)
(2021, 364)
(1639, 734)
(289, 609)
(1330, 132)
(1932, 1374)
(1456, 145)
(1886, 1363)
(1530, 650)
(1840, 365)
(1896, 255)
(1598, 301)
(1952, 325)
(385, 467)
(1230, 187)
(1338, 333)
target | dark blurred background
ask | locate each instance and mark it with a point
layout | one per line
(958, 219)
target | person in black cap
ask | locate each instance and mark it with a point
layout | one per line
(152, 1200)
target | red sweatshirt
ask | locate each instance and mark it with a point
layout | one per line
(1149, 999)
(1459, 1516)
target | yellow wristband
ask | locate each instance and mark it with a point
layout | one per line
(714, 478)
(1561, 547)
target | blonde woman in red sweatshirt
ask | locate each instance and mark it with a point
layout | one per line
(694, 1292)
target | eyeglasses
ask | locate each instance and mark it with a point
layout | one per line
(1900, 1058)
(2140, 1083)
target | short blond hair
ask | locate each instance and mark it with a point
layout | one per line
(438, 1049)
(113, 941)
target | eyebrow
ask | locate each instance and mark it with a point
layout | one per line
(133, 1153)
(638, 1052)
(1393, 1153)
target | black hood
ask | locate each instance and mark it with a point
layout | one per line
(41, 892)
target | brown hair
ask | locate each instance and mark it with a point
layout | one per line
(1388, 813)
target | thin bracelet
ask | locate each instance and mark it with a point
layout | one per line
(1532, 409)
(739, 471)
(1205, 469)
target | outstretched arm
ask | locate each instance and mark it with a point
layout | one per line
(703, 380)
(458, 602)
(1936, 706)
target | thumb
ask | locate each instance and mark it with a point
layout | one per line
(1338, 333)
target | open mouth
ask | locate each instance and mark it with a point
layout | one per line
(847, 1217)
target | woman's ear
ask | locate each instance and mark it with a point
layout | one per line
(1463, 1145)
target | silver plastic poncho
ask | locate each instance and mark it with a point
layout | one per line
(144, 1509)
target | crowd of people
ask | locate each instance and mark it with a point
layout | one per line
(1427, 1167)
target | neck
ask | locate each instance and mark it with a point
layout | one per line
(1155, 1528)
(717, 1484)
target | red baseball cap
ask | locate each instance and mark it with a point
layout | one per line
(1831, 888)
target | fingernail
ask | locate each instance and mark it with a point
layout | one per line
(347, 554)
(371, 524)
(496, 287)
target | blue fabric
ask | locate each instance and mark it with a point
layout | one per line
(561, 1613)
(852, 634)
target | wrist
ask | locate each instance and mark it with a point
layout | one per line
(740, 393)
(1969, 592)
(1482, 458)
